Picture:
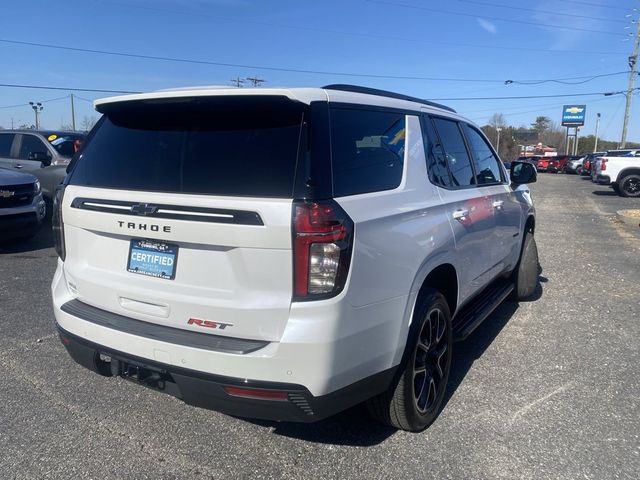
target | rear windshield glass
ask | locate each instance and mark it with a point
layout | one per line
(245, 146)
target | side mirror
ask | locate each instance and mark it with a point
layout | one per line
(523, 172)
(41, 157)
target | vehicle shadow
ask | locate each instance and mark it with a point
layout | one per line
(354, 427)
(605, 193)
(41, 241)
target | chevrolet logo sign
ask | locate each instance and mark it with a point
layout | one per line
(574, 110)
(6, 193)
(144, 209)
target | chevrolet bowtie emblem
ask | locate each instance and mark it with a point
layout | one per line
(6, 193)
(143, 209)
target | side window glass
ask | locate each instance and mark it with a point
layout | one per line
(487, 167)
(367, 150)
(436, 159)
(456, 152)
(31, 145)
(6, 140)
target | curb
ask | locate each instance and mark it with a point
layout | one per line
(630, 217)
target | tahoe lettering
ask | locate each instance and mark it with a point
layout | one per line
(144, 226)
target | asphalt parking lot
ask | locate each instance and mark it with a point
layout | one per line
(543, 389)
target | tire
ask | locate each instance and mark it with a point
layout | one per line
(629, 186)
(525, 276)
(414, 399)
(579, 170)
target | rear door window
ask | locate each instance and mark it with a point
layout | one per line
(457, 157)
(245, 146)
(488, 170)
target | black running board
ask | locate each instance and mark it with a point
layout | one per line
(474, 313)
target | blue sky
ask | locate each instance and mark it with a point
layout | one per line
(483, 42)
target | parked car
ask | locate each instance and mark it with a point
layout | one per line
(43, 153)
(21, 205)
(622, 173)
(558, 164)
(609, 153)
(543, 164)
(206, 252)
(579, 165)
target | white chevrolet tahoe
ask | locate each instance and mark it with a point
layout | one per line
(287, 253)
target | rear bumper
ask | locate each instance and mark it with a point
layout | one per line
(208, 391)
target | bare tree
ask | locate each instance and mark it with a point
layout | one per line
(88, 122)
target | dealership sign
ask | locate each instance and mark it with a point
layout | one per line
(573, 115)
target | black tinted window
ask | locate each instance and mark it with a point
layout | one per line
(367, 151)
(31, 144)
(243, 146)
(6, 139)
(487, 167)
(66, 145)
(454, 147)
(436, 159)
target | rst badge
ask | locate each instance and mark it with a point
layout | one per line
(209, 323)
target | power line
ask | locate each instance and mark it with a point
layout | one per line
(565, 80)
(590, 4)
(290, 70)
(69, 89)
(525, 97)
(573, 15)
(25, 104)
(501, 19)
(522, 97)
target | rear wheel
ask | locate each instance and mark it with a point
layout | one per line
(630, 186)
(579, 170)
(414, 400)
(525, 275)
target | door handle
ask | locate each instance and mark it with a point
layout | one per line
(497, 204)
(461, 214)
(17, 165)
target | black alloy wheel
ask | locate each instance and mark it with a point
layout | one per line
(413, 401)
(630, 186)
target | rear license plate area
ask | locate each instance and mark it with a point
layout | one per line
(153, 259)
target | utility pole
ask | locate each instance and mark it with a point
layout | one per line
(37, 108)
(255, 81)
(73, 115)
(633, 64)
(498, 129)
(595, 145)
(575, 143)
(237, 82)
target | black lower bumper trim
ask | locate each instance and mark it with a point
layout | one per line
(163, 333)
(207, 391)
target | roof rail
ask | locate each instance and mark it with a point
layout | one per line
(385, 93)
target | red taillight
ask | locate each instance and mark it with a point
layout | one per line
(256, 394)
(603, 164)
(322, 235)
(57, 225)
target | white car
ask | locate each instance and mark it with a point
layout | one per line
(287, 253)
